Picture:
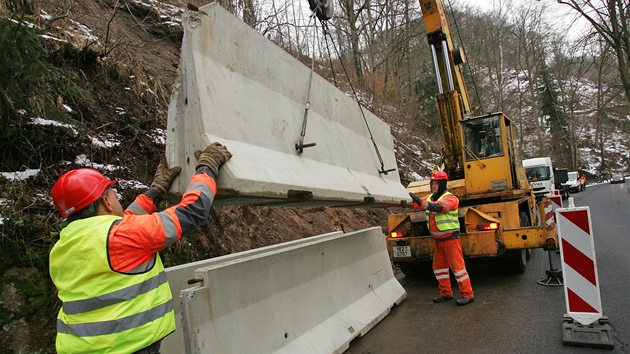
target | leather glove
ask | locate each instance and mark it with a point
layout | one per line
(164, 176)
(416, 199)
(214, 156)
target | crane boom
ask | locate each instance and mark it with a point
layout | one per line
(452, 97)
(443, 50)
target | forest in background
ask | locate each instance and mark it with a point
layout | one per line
(102, 71)
(568, 94)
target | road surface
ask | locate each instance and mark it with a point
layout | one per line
(514, 314)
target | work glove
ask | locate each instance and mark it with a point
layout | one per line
(164, 176)
(416, 199)
(213, 157)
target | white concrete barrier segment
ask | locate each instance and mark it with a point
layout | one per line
(179, 276)
(240, 89)
(312, 296)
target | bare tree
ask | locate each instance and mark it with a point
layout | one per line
(351, 12)
(604, 96)
(610, 19)
(249, 12)
(498, 72)
(567, 67)
(531, 35)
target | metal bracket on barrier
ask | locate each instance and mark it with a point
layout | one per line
(300, 195)
(195, 280)
(597, 334)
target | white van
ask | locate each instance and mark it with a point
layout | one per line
(575, 183)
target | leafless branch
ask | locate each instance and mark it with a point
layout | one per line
(53, 19)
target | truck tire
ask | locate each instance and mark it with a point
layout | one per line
(409, 270)
(515, 261)
(416, 269)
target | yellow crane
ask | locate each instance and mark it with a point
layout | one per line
(498, 212)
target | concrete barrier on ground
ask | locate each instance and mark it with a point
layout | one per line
(312, 295)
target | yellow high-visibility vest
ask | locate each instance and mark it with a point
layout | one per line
(105, 311)
(447, 222)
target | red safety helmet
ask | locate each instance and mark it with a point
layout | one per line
(77, 189)
(439, 176)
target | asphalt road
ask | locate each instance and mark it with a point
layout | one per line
(514, 314)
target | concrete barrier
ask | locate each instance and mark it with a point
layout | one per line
(238, 88)
(307, 296)
(178, 277)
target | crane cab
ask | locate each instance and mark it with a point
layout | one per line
(489, 151)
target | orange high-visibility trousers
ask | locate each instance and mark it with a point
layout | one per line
(448, 254)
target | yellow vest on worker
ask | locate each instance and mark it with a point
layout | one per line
(446, 222)
(105, 311)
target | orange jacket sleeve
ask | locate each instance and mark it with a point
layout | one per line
(135, 239)
(449, 202)
(421, 206)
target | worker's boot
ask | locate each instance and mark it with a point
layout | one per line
(441, 298)
(465, 301)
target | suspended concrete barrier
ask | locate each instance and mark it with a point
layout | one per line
(312, 295)
(240, 89)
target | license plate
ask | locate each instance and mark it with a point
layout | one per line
(401, 251)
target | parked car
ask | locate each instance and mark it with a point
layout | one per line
(617, 178)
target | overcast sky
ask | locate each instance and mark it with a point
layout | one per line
(561, 17)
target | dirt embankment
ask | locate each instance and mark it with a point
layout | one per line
(140, 42)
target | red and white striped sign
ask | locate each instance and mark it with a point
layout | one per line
(550, 215)
(579, 266)
(556, 201)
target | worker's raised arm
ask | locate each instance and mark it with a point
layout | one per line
(142, 232)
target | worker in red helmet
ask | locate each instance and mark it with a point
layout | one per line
(441, 207)
(106, 267)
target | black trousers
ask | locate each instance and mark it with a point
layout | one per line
(152, 349)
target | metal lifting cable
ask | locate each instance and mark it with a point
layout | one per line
(300, 145)
(322, 9)
(332, 68)
(356, 98)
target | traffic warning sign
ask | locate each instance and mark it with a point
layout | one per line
(579, 267)
(581, 282)
(550, 215)
(556, 201)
